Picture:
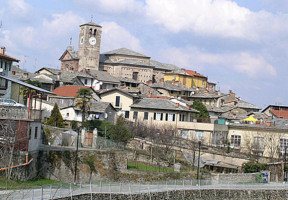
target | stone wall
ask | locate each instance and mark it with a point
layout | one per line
(92, 164)
(245, 177)
(191, 194)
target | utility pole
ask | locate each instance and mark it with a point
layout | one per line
(198, 171)
(76, 156)
(285, 173)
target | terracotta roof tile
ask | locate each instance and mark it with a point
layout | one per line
(68, 90)
(280, 113)
(8, 57)
(194, 73)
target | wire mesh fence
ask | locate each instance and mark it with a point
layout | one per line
(56, 191)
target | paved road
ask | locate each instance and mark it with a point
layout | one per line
(55, 191)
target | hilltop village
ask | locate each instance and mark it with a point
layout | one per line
(162, 105)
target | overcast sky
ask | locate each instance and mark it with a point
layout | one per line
(240, 45)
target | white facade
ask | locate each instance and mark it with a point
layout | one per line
(35, 136)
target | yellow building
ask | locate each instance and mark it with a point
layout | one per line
(188, 78)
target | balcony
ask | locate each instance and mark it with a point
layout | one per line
(18, 113)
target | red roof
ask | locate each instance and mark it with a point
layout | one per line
(8, 57)
(280, 113)
(194, 73)
(68, 90)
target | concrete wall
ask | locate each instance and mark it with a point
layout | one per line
(125, 100)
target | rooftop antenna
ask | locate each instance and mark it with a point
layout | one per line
(70, 41)
(91, 18)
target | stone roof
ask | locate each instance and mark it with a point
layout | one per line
(159, 104)
(103, 76)
(74, 54)
(52, 70)
(168, 85)
(128, 61)
(244, 104)
(163, 66)
(124, 51)
(91, 24)
(206, 96)
(96, 106)
(216, 109)
(128, 80)
(119, 90)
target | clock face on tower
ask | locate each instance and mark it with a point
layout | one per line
(92, 40)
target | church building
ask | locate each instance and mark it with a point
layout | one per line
(121, 63)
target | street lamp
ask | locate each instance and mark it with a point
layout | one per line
(76, 156)
(198, 170)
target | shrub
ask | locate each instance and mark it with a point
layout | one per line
(251, 167)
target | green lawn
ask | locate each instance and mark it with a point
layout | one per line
(25, 184)
(138, 166)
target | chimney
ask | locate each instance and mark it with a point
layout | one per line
(161, 80)
(2, 50)
(231, 97)
(149, 95)
(177, 105)
(188, 107)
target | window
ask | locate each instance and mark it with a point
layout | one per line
(158, 116)
(30, 133)
(36, 133)
(191, 118)
(82, 40)
(236, 141)
(90, 31)
(135, 115)
(117, 103)
(219, 138)
(181, 117)
(185, 134)
(282, 145)
(258, 143)
(199, 135)
(67, 114)
(95, 31)
(135, 75)
(86, 81)
(170, 117)
(127, 114)
(145, 115)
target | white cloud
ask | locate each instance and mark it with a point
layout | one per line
(115, 36)
(252, 65)
(61, 24)
(223, 18)
(119, 6)
(19, 7)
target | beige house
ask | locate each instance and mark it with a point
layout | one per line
(267, 140)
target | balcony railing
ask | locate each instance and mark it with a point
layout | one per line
(18, 113)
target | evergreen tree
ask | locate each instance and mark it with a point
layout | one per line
(120, 132)
(82, 101)
(197, 105)
(56, 118)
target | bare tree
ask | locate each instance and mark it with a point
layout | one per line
(10, 145)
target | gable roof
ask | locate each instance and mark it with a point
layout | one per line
(160, 104)
(168, 85)
(91, 24)
(3, 56)
(280, 113)
(68, 90)
(127, 52)
(73, 54)
(51, 70)
(244, 104)
(163, 66)
(119, 90)
(194, 73)
(103, 76)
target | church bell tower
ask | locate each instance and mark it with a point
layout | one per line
(89, 46)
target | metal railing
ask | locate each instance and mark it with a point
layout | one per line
(55, 191)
